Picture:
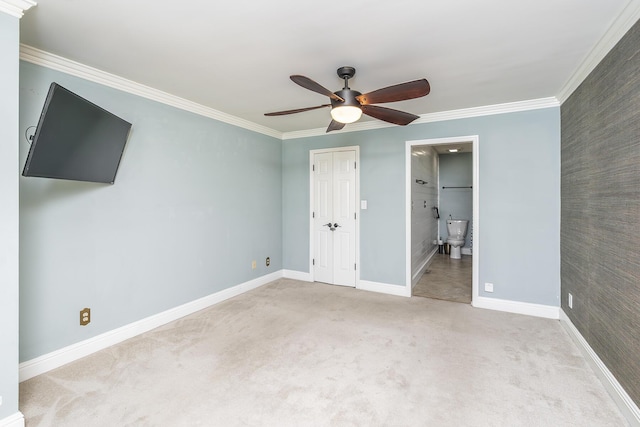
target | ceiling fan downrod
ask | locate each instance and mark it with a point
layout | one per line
(346, 73)
(348, 96)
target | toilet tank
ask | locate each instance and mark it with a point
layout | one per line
(457, 227)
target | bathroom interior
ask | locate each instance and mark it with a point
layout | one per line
(442, 221)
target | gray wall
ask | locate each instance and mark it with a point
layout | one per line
(456, 170)
(424, 227)
(194, 202)
(9, 54)
(601, 210)
(519, 155)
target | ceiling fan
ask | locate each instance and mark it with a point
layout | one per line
(347, 105)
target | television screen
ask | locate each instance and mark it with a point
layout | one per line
(75, 139)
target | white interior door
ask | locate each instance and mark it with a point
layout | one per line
(335, 217)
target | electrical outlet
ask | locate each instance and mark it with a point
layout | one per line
(254, 264)
(570, 301)
(85, 316)
(268, 261)
(488, 287)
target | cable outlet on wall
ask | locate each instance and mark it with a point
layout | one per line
(488, 287)
(570, 300)
(254, 264)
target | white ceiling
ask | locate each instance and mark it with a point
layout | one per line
(236, 56)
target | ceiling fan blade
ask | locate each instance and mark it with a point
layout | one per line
(334, 126)
(389, 115)
(299, 110)
(307, 83)
(400, 92)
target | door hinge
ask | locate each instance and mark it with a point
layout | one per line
(313, 168)
(314, 261)
(355, 215)
(313, 214)
(355, 267)
(355, 165)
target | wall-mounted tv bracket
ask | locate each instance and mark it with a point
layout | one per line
(28, 137)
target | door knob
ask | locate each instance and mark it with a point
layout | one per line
(336, 225)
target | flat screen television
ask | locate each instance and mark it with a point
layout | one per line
(76, 140)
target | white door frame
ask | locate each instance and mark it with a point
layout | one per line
(312, 153)
(475, 140)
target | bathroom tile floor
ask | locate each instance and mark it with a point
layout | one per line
(446, 279)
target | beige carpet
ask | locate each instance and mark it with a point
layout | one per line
(302, 354)
(446, 279)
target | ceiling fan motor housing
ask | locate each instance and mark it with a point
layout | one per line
(349, 97)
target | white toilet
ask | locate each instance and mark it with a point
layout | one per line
(457, 229)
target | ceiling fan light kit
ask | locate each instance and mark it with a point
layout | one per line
(346, 114)
(347, 105)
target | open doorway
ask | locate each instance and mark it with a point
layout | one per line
(439, 265)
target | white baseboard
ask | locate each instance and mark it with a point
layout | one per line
(364, 285)
(297, 275)
(626, 405)
(538, 310)
(423, 266)
(15, 420)
(55, 359)
(384, 288)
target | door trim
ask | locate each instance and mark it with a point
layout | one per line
(475, 140)
(312, 153)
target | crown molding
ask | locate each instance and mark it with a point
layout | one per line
(629, 16)
(16, 8)
(618, 29)
(55, 62)
(488, 110)
(465, 113)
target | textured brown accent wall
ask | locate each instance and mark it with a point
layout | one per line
(600, 204)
